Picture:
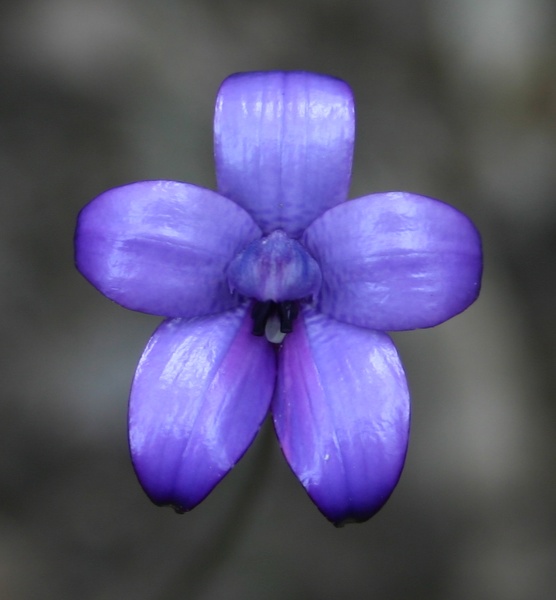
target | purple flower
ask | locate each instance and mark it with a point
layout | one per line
(277, 294)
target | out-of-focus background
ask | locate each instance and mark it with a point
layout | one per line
(455, 99)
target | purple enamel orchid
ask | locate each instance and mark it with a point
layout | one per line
(277, 293)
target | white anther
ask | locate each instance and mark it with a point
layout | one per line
(272, 330)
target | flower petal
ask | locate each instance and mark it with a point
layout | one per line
(341, 412)
(395, 261)
(201, 391)
(284, 145)
(162, 247)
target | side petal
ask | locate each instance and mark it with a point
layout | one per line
(283, 146)
(341, 412)
(162, 247)
(395, 261)
(201, 391)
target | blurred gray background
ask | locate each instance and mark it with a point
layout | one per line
(455, 99)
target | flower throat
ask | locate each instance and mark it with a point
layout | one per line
(277, 272)
(274, 319)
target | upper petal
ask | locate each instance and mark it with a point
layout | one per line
(200, 393)
(162, 247)
(341, 412)
(395, 261)
(284, 145)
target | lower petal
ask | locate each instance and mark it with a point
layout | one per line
(201, 391)
(341, 412)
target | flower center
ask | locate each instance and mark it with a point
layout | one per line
(274, 319)
(276, 271)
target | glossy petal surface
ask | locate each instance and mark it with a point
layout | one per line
(341, 412)
(395, 261)
(284, 145)
(200, 393)
(162, 247)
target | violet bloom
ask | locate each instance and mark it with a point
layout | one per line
(277, 293)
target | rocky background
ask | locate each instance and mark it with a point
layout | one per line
(455, 99)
